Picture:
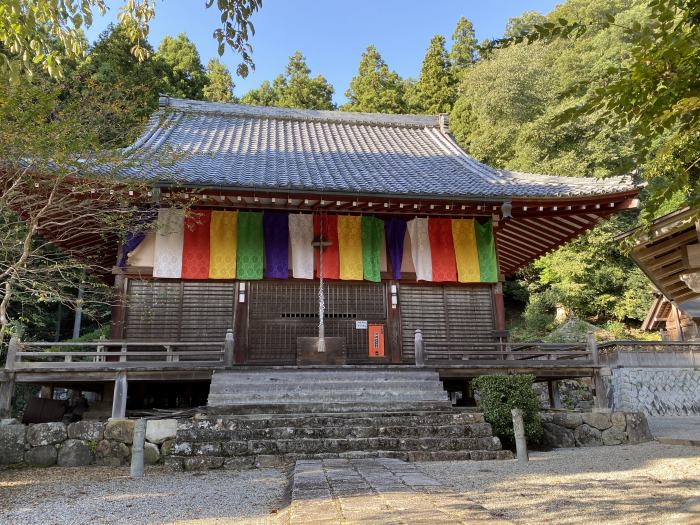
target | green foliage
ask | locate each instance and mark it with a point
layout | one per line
(294, 89)
(184, 76)
(464, 47)
(375, 89)
(436, 89)
(42, 33)
(498, 395)
(220, 85)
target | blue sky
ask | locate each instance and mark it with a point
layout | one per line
(330, 33)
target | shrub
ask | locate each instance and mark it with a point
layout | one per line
(499, 394)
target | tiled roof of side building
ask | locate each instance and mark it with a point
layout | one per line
(290, 150)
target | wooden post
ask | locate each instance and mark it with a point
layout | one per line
(7, 393)
(499, 308)
(554, 395)
(419, 349)
(600, 397)
(519, 431)
(120, 392)
(137, 449)
(229, 345)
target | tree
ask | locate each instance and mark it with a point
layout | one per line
(523, 24)
(464, 47)
(375, 89)
(653, 91)
(48, 190)
(220, 85)
(435, 91)
(294, 89)
(30, 29)
(112, 73)
(185, 75)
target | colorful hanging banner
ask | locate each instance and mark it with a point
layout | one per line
(372, 237)
(195, 247)
(301, 235)
(331, 258)
(395, 233)
(442, 250)
(167, 261)
(486, 245)
(249, 259)
(350, 247)
(466, 253)
(420, 249)
(276, 235)
(223, 233)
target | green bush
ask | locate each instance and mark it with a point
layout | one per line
(499, 394)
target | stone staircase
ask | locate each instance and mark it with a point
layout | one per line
(270, 417)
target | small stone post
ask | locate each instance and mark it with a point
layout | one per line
(7, 387)
(519, 431)
(228, 349)
(419, 350)
(119, 401)
(137, 449)
(600, 397)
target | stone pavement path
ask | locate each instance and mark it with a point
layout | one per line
(676, 430)
(386, 491)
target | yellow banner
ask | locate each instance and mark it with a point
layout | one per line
(223, 241)
(350, 247)
(466, 253)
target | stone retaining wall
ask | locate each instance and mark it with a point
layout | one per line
(592, 429)
(657, 391)
(82, 443)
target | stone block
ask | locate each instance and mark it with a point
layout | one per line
(202, 463)
(167, 447)
(558, 437)
(121, 430)
(112, 453)
(160, 430)
(46, 434)
(269, 461)
(613, 436)
(173, 463)
(618, 420)
(12, 440)
(567, 420)
(638, 428)
(598, 420)
(234, 448)
(8, 421)
(86, 430)
(240, 463)
(43, 456)
(74, 453)
(587, 436)
(151, 454)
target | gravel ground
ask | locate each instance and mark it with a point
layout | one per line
(677, 427)
(649, 483)
(96, 495)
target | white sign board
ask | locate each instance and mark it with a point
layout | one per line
(361, 325)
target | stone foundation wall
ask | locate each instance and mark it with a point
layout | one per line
(657, 391)
(575, 394)
(82, 443)
(592, 429)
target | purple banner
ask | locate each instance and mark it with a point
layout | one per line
(395, 233)
(276, 235)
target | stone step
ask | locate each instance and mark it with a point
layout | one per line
(222, 407)
(326, 386)
(195, 435)
(272, 375)
(314, 395)
(386, 419)
(320, 446)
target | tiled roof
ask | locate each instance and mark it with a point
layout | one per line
(263, 148)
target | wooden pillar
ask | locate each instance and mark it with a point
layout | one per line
(554, 394)
(118, 310)
(240, 323)
(499, 307)
(393, 321)
(677, 323)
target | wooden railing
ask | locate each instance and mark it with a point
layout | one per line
(118, 355)
(542, 355)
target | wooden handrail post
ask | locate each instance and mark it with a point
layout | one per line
(228, 349)
(592, 347)
(13, 347)
(419, 348)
